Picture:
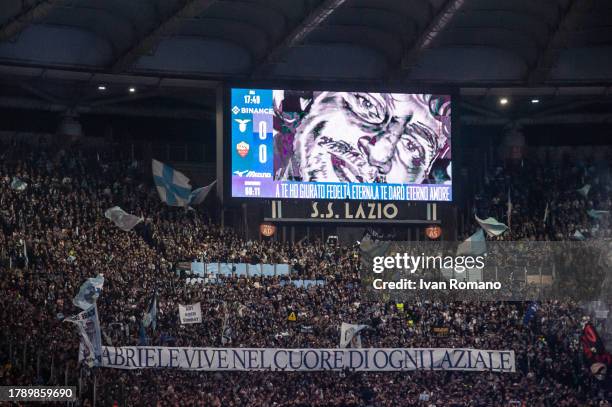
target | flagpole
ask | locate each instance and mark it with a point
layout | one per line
(25, 347)
(80, 382)
(540, 270)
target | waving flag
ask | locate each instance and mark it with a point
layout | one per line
(350, 335)
(578, 235)
(25, 253)
(595, 214)
(150, 317)
(89, 292)
(226, 330)
(198, 195)
(491, 226)
(474, 245)
(18, 185)
(88, 325)
(122, 219)
(173, 186)
(584, 191)
(143, 340)
(530, 313)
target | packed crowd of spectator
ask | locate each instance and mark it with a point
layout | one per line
(548, 196)
(53, 236)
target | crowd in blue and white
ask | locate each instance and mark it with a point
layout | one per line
(54, 235)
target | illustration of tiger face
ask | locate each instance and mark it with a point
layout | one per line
(365, 137)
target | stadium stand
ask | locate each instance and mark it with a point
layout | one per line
(54, 235)
(474, 122)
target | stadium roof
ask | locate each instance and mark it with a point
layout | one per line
(463, 42)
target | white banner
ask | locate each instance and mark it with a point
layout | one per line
(190, 314)
(253, 359)
(350, 335)
(123, 220)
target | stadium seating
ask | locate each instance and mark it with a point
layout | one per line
(54, 235)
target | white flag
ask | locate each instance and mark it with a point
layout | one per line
(597, 214)
(198, 195)
(122, 219)
(190, 314)
(584, 191)
(474, 245)
(88, 324)
(492, 226)
(89, 292)
(173, 186)
(350, 335)
(226, 331)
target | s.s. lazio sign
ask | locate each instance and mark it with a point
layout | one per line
(307, 360)
(356, 211)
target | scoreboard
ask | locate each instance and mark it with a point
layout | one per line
(351, 145)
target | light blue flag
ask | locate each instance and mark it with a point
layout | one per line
(150, 317)
(491, 226)
(595, 214)
(198, 195)
(474, 245)
(89, 292)
(173, 186)
(18, 185)
(122, 219)
(584, 191)
(578, 236)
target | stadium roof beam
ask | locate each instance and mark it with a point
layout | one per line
(34, 104)
(556, 42)
(186, 9)
(16, 72)
(577, 118)
(552, 91)
(26, 17)
(439, 21)
(299, 33)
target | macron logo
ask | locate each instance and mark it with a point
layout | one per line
(253, 174)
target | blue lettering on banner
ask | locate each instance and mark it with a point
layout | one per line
(150, 357)
(189, 360)
(257, 359)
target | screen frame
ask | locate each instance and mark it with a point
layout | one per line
(452, 91)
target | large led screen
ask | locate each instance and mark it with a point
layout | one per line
(289, 144)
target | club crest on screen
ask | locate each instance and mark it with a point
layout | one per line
(242, 124)
(242, 148)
